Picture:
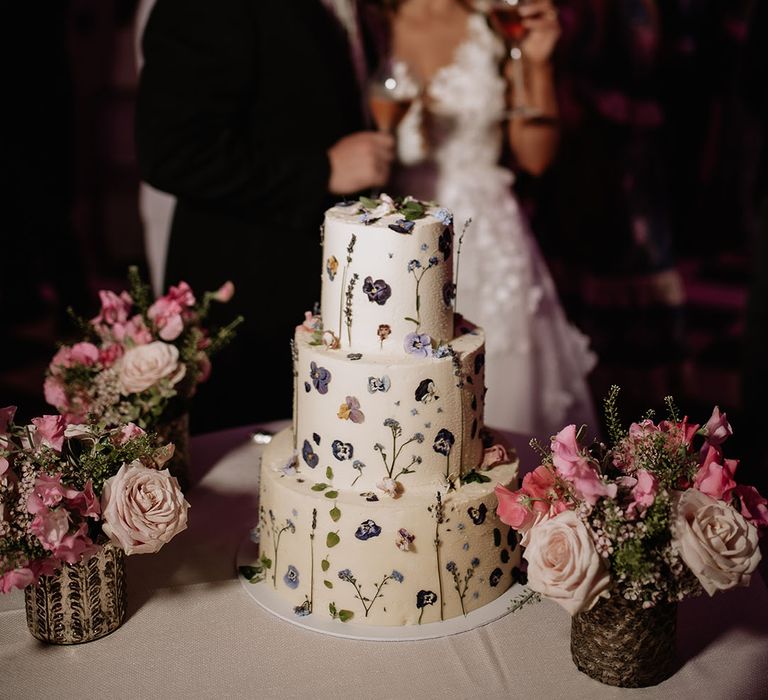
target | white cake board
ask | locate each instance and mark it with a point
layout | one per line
(267, 598)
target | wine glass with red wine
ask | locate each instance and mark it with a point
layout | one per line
(506, 20)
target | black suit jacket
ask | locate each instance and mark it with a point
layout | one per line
(239, 101)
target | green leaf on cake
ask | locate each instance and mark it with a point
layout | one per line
(369, 203)
(249, 571)
(332, 539)
(266, 562)
(412, 320)
(332, 610)
(412, 210)
(329, 473)
(320, 487)
(328, 584)
(345, 615)
(335, 513)
(331, 494)
(475, 477)
(325, 564)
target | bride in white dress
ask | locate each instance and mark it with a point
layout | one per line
(450, 143)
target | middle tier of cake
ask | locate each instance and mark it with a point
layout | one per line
(412, 420)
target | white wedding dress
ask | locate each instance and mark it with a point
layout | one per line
(536, 361)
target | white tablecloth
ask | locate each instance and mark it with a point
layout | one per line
(192, 631)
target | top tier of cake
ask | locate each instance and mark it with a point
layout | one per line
(387, 282)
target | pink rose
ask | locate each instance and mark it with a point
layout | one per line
(717, 429)
(715, 479)
(145, 365)
(539, 483)
(714, 540)
(565, 450)
(49, 431)
(135, 331)
(563, 563)
(224, 293)
(644, 492)
(494, 455)
(114, 308)
(753, 506)
(47, 492)
(142, 508)
(18, 578)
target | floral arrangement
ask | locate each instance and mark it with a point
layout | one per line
(139, 360)
(65, 489)
(654, 518)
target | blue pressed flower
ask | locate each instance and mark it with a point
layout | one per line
(302, 610)
(365, 218)
(495, 577)
(413, 265)
(426, 391)
(443, 442)
(414, 411)
(291, 577)
(478, 514)
(442, 351)
(391, 423)
(357, 464)
(308, 454)
(289, 524)
(444, 216)
(433, 261)
(316, 438)
(320, 377)
(379, 384)
(449, 293)
(451, 566)
(367, 529)
(377, 291)
(475, 562)
(342, 450)
(424, 598)
(419, 344)
(346, 575)
(418, 437)
(424, 247)
(403, 226)
(397, 576)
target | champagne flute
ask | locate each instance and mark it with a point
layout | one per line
(506, 19)
(387, 99)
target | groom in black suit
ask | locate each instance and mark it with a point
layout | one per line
(251, 113)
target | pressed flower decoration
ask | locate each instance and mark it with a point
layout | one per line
(654, 518)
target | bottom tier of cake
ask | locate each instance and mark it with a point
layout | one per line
(429, 555)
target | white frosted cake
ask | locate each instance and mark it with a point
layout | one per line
(378, 506)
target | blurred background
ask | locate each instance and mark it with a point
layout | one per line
(672, 137)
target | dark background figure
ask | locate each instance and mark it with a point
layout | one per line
(241, 109)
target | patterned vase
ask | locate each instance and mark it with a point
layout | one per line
(621, 643)
(176, 431)
(81, 602)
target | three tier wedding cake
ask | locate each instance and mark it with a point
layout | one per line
(377, 506)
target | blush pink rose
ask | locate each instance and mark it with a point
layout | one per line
(493, 456)
(753, 506)
(145, 365)
(716, 479)
(563, 563)
(114, 308)
(85, 354)
(47, 492)
(49, 431)
(714, 540)
(717, 429)
(143, 508)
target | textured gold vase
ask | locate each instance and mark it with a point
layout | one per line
(81, 602)
(176, 431)
(621, 643)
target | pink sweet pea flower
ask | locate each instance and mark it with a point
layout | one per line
(135, 331)
(114, 308)
(52, 529)
(86, 354)
(110, 354)
(539, 483)
(716, 479)
(753, 506)
(128, 432)
(644, 492)
(717, 429)
(515, 508)
(182, 294)
(565, 450)
(86, 502)
(50, 431)
(48, 492)
(18, 578)
(166, 313)
(55, 394)
(588, 485)
(224, 293)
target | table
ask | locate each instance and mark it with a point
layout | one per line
(192, 631)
